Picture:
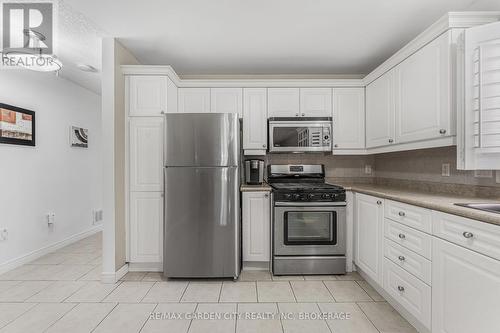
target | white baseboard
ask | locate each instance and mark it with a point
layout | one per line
(113, 277)
(256, 266)
(145, 267)
(19, 261)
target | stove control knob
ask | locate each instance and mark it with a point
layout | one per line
(288, 196)
(296, 196)
(304, 197)
(325, 196)
(310, 196)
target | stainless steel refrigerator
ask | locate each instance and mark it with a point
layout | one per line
(202, 218)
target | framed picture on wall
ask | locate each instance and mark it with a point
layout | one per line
(79, 137)
(17, 125)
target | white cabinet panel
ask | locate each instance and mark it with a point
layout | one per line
(380, 113)
(256, 226)
(194, 100)
(410, 292)
(146, 154)
(227, 100)
(409, 238)
(255, 119)
(423, 93)
(147, 95)
(408, 260)
(369, 216)
(412, 216)
(348, 118)
(316, 102)
(146, 227)
(465, 289)
(283, 102)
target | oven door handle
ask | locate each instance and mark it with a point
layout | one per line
(310, 204)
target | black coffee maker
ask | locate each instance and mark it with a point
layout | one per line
(254, 172)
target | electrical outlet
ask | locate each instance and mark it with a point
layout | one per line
(498, 176)
(368, 169)
(50, 218)
(445, 170)
(4, 234)
(483, 173)
(96, 216)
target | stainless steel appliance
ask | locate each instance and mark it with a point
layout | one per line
(254, 172)
(300, 135)
(202, 226)
(309, 221)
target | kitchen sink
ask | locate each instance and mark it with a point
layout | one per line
(487, 207)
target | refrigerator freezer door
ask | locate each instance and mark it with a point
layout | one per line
(202, 139)
(201, 222)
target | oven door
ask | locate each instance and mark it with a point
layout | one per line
(299, 136)
(309, 229)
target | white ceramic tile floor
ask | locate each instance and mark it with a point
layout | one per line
(61, 292)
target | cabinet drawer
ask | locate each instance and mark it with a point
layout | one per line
(475, 235)
(412, 216)
(409, 238)
(408, 260)
(410, 292)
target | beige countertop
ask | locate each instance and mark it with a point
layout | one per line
(434, 201)
(252, 188)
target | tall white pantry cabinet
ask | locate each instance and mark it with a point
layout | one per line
(149, 97)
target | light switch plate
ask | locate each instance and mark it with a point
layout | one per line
(368, 169)
(483, 173)
(498, 176)
(445, 170)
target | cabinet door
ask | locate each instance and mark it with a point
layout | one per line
(348, 118)
(369, 214)
(422, 93)
(465, 290)
(256, 226)
(146, 227)
(316, 102)
(146, 154)
(283, 102)
(380, 111)
(255, 118)
(194, 100)
(147, 95)
(226, 100)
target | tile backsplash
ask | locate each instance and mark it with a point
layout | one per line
(423, 165)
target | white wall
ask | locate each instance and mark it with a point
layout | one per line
(51, 177)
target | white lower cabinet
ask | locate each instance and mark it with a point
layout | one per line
(146, 227)
(369, 212)
(256, 220)
(465, 291)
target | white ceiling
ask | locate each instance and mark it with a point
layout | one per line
(225, 37)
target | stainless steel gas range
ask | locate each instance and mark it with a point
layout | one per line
(309, 221)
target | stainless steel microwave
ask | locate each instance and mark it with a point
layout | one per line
(300, 135)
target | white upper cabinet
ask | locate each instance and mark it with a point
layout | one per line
(315, 102)
(380, 125)
(465, 289)
(256, 220)
(348, 118)
(194, 100)
(283, 102)
(423, 93)
(255, 120)
(479, 99)
(369, 212)
(147, 95)
(227, 100)
(146, 154)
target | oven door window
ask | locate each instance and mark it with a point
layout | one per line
(297, 137)
(310, 228)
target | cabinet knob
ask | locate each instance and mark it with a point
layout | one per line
(391, 140)
(401, 258)
(468, 234)
(401, 214)
(263, 146)
(296, 115)
(336, 145)
(162, 112)
(303, 114)
(266, 195)
(402, 236)
(401, 288)
(442, 131)
(379, 202)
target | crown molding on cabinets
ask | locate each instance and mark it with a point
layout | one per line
(451, 20)
(246, 81)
